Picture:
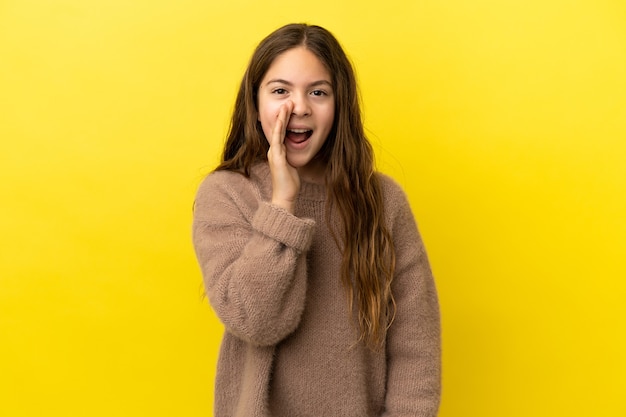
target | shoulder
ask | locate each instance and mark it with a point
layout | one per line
(389, 185)
(229, 189)
(397, 207)
(394, 195)
(224, 180)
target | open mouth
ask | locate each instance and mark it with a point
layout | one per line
(298, 135)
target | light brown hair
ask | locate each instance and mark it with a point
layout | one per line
(353, 188)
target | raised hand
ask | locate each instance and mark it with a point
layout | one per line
(285, 178)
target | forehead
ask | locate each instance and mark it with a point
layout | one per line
(297, 64)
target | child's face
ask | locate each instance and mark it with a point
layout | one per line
(297, 75)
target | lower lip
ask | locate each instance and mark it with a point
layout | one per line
(296, 145)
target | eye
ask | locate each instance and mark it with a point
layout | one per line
(319, 93)
(279, 91)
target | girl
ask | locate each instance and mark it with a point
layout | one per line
(312, 260)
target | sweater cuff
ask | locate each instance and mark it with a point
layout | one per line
(280, 225)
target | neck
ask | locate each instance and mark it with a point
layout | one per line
(313, 172)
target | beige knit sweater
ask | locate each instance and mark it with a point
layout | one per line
(290, 348)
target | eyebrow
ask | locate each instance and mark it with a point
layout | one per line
(313, 84)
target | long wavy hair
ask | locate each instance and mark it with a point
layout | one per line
(354, 190)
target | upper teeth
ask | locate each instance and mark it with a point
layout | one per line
(299, 130)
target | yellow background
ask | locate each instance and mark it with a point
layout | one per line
(505, 121)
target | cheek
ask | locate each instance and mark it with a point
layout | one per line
(329, 118)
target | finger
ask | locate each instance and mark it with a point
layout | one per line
(289, 105)
(276, 152)
(281, 122)
(278, 134)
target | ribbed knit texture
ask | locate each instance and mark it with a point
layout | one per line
(290, 348)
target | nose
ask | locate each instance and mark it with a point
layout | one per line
(301, 106)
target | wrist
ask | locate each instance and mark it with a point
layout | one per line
(284, 204)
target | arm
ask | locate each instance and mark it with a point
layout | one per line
(253, 259)
(413, 340)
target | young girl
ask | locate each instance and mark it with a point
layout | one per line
(312, 260)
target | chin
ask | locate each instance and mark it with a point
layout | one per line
(297, 162)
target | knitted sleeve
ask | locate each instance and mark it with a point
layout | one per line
(253, 258)
(413, 340)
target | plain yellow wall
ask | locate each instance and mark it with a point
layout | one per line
(505, 121)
